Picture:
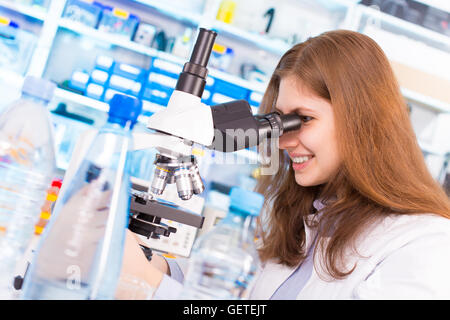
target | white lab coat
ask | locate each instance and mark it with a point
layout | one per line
(403, 257)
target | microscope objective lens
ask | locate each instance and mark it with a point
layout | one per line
(184, 183)
(196, 179)
(159, 182)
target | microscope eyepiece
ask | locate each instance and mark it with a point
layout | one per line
(237, 128)
(203, 47)
(290, 122)
(274, 124)
(193, 77)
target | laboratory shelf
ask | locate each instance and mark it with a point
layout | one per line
(403, 24)
(173, 12)
(70, 96)
(255, 86)
(426, 147)
(275, 46)
(152, 52)
(387, 30)
(426, 101)
(32, 12)
(109, 38)
(153, 107)
(196, 19)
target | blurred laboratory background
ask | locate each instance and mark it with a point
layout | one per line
(94, 49)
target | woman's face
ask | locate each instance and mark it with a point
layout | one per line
(313, 148)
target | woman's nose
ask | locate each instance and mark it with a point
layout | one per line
(289, 140)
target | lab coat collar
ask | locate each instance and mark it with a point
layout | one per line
(318, 205)
(277, 272)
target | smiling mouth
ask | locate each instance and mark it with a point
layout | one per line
(299, 160)
(299, 163)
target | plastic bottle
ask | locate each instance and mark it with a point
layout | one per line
(27, 166)
(80, 254)
(224, 261)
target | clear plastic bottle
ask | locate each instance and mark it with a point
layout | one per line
(80, 254)
(224, 261)
(27, 166)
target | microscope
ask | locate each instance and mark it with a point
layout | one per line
(186, 121)
(173, 131)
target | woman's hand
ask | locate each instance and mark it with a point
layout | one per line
(135, 264)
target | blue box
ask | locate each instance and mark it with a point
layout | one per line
(157, 93)
(109, 93)
(231, 90)
(79, 80)
(149, 107)
(255, 98)
(95, 91)
(129, 71)
(210, 81)
(161, 79)
(99, 76)
(159, 88)
(80, 11)
(209, 90)
(104, 63)
(125, 85)
(167, 68)
(206, 96)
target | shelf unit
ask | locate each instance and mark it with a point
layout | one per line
(271, 45)
(425, 101)
(414, 28)
(168, 10)
(355, 12)
(68, 96)
(148, 51)
(200, 20)
(52, 22)
(377, 17)
(32, 12)
(195, 19)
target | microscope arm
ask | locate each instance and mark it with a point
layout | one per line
(168, 145)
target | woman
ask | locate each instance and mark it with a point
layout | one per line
(353, 212)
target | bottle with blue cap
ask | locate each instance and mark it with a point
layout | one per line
(224, 261)
(80, 254)
(27, 167)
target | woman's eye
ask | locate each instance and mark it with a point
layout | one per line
(306, 118)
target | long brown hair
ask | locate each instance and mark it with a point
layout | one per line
(383, 171)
